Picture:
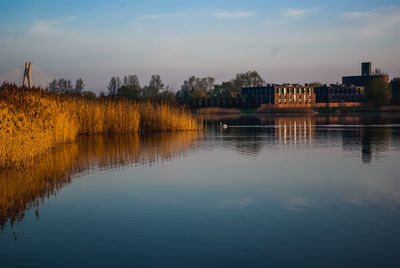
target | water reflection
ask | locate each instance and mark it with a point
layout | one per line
(24, 189)
(368, 135)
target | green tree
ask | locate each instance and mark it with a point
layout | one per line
(378, 92)
(89, 94)
(315, 84)
(195, 88)
(247, 79)
(167, 96)
(132, 91)
(198, 93)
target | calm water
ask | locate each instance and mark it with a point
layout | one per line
(266, 192)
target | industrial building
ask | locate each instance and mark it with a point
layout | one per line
(349, 93)
(366, 75)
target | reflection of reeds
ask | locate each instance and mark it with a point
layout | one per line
(25, 188)
(32, 120)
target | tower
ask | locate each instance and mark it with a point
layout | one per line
(27, 80)
(366, 68)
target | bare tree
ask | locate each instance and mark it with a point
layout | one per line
(113, 86)
(53, 86)
(155, 86)
(79, 86)
(132, 80)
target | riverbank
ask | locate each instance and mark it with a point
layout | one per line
(307, 110)
(32, 121)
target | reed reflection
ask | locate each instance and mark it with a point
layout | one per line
(21, 190)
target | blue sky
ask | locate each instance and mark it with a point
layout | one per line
(286, 41)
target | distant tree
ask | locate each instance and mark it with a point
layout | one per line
(64, 86)
(113, 86)
(79, 86)
(102, 94)
(89, 94)
(183, 95)
(155, 86)
(378, 71)
(131, 80)
(395, 84)
(167, 95)
(132, 92)
(198, 93)
(315, 84)
(53, 86)
(196, 88)
(247, 79)
(378, 92)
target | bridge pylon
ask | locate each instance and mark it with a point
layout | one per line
(27, 80)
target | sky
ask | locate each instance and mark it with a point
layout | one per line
(285, 41)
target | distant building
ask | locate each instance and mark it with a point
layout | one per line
(297, 96)
(350, 93)
(294, 94)
(279, 94)
(259, 95)
(366, 75)
(339, 93)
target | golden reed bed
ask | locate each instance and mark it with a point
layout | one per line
(33, 120)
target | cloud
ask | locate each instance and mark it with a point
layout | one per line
(375, 22)
(297, 13)
(223, 14)
(161, 16)
(367, 14)
(46, 27)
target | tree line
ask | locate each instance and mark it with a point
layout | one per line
(194, 92)
(198, 92)
(64, 86)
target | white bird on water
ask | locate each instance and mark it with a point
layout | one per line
(223, 126)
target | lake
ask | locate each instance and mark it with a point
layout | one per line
(268, 191)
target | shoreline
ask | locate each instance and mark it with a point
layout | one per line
(311, 111)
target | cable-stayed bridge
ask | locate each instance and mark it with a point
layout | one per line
(28, 75)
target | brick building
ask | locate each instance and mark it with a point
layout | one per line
(279, 94)
(297, 96)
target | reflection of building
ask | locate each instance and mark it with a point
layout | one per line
(294, 130)
(366, 75)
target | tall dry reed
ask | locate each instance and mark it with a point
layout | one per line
(32, 120)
